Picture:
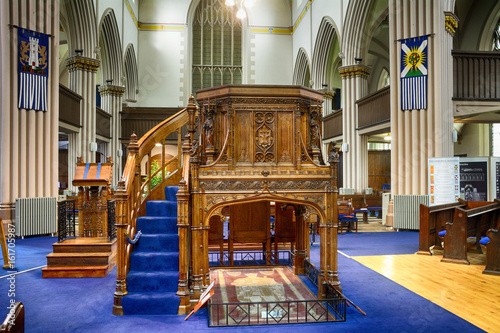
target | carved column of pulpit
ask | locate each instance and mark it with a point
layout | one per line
(93, 181)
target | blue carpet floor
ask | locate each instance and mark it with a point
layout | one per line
(85, 305)
(31, 253)
(378, 243)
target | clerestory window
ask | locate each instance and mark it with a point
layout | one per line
(217, 46)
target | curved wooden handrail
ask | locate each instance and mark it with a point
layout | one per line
(130, 197)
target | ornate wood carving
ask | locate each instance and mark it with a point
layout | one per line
(264, 137)
(272, 153)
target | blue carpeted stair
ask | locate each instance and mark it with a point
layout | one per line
(154, 264)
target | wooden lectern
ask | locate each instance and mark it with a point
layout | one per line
(94, 190)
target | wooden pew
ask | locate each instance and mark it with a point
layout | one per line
(14, 321)
(493, 252)
(432, 221)
(468, 223)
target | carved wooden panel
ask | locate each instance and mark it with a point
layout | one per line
(285, 137)
(265, 137)
(243, 137)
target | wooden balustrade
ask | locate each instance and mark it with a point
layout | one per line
(332, 125)
(69, 106)
(134, 190)
(476, 75)
(374, 108)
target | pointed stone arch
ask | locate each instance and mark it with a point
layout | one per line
(131, 74)
(110, 48)
(485, 41)
(361, 20)
(302, 72)
(79, 23)
(327, 35)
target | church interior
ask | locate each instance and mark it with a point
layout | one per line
(219, 165)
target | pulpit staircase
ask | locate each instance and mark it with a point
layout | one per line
(154, 263)
(147, 280)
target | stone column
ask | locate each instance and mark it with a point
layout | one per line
(355, 159)
(111, 102)
(82, 79)
(73, 149)
(420, 134)
(29, 138)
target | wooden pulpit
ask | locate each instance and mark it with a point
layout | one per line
(94, 190)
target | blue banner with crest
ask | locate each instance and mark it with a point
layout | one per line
(414, 73)
(33, 69)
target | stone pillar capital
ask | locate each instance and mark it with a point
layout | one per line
(109, 89)
(354, 71)
(450, 22)
(82, 63)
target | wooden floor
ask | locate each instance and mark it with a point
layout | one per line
(460, 289)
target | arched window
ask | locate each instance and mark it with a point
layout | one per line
(217, 35)
(495, 45)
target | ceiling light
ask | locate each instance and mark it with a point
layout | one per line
(241, 14)
(388, 137)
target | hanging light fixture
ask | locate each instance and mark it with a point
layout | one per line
(241, 14)
(388, 137)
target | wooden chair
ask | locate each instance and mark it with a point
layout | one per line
(285, 228)
(346, 216)
(216, 235)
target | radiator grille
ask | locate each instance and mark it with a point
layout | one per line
(36, 216)
(407, 211)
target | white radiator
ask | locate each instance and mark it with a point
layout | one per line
(346, 191)
(407, 211)
(386, 197)
(36, 216)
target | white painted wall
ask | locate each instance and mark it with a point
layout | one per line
(307, 25)
(272, 57)
(164, 56)
(159, 68)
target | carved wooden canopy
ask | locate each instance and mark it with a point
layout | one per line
(261, 140)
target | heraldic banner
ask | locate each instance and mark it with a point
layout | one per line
(33, 69)
(414, 73)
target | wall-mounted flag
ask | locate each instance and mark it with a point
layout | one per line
(414, 73)
(33, 69)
